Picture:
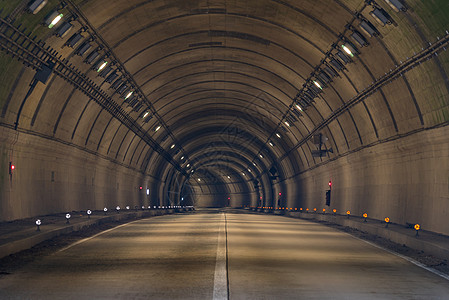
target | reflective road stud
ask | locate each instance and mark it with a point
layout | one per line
(38, 224)
(417, 228)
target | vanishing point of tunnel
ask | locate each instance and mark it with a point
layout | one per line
(230, 114)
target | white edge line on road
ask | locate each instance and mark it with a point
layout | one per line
(94, 236)
(409, 259)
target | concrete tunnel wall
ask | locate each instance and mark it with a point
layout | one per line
(51, 177)
(400, 169)
(406, 180)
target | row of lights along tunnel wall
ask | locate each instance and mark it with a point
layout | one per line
(89, 212)
(321, 77)
(113, 71)
(34, 54)
(386, 220)
(341, 53)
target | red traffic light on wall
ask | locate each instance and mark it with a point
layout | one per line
(11, 167)
(330, 183)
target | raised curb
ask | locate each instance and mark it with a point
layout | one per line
(429, 242)
(52, 231)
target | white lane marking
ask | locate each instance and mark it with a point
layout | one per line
(94, 236)
(411, 260)
(220, 278)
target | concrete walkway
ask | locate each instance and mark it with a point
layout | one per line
(20, 235)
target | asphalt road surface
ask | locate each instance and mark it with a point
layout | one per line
(222, 256)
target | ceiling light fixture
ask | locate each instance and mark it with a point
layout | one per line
(101, 65)
(53, 19)
(129, 95)
(317, 84)
(349, 49)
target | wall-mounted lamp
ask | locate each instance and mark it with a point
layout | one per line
(129, 94)
(101, 65)
(53, 19)
(318, 84)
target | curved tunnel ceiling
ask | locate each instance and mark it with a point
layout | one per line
(221, 85)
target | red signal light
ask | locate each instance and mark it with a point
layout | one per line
(330, 184)
(11, 168)
(280, 194)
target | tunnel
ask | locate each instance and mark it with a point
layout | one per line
(273, 106)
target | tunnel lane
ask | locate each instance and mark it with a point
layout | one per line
(222, 255)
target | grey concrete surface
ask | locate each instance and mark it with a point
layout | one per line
(170, 257)
(22, 234)
(269, 257)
